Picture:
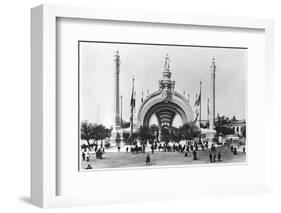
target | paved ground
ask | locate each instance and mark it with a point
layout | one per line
(123, 159)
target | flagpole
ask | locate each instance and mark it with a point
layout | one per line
(200, 104)
(132, 111)
(208, 112)
(200, 109)
(121, 112)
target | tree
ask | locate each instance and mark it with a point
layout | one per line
(189, 131)
(100, 132)
(244, 131)
(165, 134)
(153, 131)
(175, 134)
(87, 132)
(125, 124)
(222, 125)
(233, 118)
(144, 133)
(225, 130)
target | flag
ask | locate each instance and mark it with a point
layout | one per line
(197, 114)
(133, 101)
(208, 109)
(196, 108)
(132, 104)
(198, 100)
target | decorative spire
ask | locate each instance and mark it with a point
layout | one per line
(213, 97)
(166, 84)
(117, 60)
(166, 73)
(133, 87)
(167, 63)
(213, 63)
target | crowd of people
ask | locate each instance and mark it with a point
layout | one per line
(187, 147)
(171, 146)
(213, 155)
(98, 151)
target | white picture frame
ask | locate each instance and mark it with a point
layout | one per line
(44, 101)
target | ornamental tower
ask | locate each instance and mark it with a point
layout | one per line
(116, 134)
(116, 90)
(213, 95)
(166, 84)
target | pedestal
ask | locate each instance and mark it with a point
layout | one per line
(117, 138)
(210, 136)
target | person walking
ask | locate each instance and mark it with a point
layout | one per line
(147, 159)
(211, 157)
(235, 151)
(152, 149)
(137, 148)
(88, 157)
(194, 155)
(215, 157)
(219, 156)
(89, 167)
(213, 148)
(83, 156)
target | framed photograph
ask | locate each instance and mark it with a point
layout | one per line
(149, 106)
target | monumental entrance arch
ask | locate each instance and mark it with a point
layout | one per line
(165, 103)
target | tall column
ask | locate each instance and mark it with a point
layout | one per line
(116, 90)
(213, 95)
(116, 131)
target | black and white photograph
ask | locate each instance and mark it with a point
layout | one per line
(144, 105)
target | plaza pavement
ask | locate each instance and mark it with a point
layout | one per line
(114, 159)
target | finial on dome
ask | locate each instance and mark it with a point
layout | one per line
(117, 54)
(117, 59)
(213, 61)
(213, 66)
(166, 74)
(167, 63)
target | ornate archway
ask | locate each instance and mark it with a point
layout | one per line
(165, 103)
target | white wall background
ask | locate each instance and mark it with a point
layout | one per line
(15, 103)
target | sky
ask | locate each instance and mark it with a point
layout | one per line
(146, 63)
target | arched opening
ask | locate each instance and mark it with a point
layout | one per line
(177, 122)
(166, 114)
(153, 120)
